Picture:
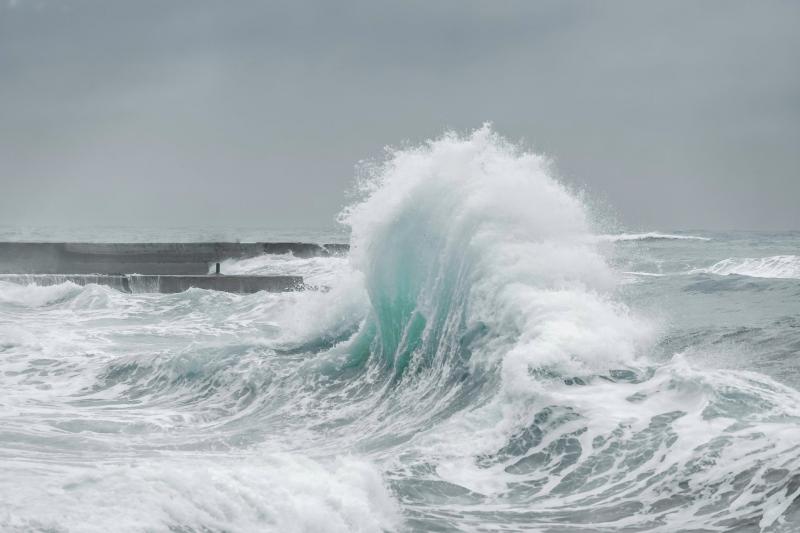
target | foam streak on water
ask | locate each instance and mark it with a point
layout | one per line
(779, 266)
(477, 365)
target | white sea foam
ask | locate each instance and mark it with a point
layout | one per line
(35, 295)
(316, 271)
(281, 493)
(639, 442)
(778, 266)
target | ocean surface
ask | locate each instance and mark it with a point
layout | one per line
(487, 358)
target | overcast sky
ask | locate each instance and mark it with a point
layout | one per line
(230, 113)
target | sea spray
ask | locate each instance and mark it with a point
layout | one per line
(473, 234)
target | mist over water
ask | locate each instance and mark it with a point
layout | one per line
(486, 359)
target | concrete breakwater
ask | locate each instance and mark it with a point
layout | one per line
(141, 258)
(135, 283)
(150, 267)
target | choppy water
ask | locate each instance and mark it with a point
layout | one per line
(486, 360)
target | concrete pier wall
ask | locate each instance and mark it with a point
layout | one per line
(141, 258)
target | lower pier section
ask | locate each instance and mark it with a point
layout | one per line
(137, 283)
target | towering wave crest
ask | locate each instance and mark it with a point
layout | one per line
(471, 240)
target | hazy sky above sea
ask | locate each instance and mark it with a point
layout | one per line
(230, 113)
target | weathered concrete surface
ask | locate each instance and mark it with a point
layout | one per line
(166, 283)
(141, 258)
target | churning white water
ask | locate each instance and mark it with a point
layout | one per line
(475, 366)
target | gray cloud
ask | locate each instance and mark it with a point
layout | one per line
(680, 114)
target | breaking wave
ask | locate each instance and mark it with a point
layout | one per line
(521, 389)
(36, 295)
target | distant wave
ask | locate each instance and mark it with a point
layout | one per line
(648, 274)
(650, 236)
(777, 266)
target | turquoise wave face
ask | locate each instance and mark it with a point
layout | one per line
(485, 359)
